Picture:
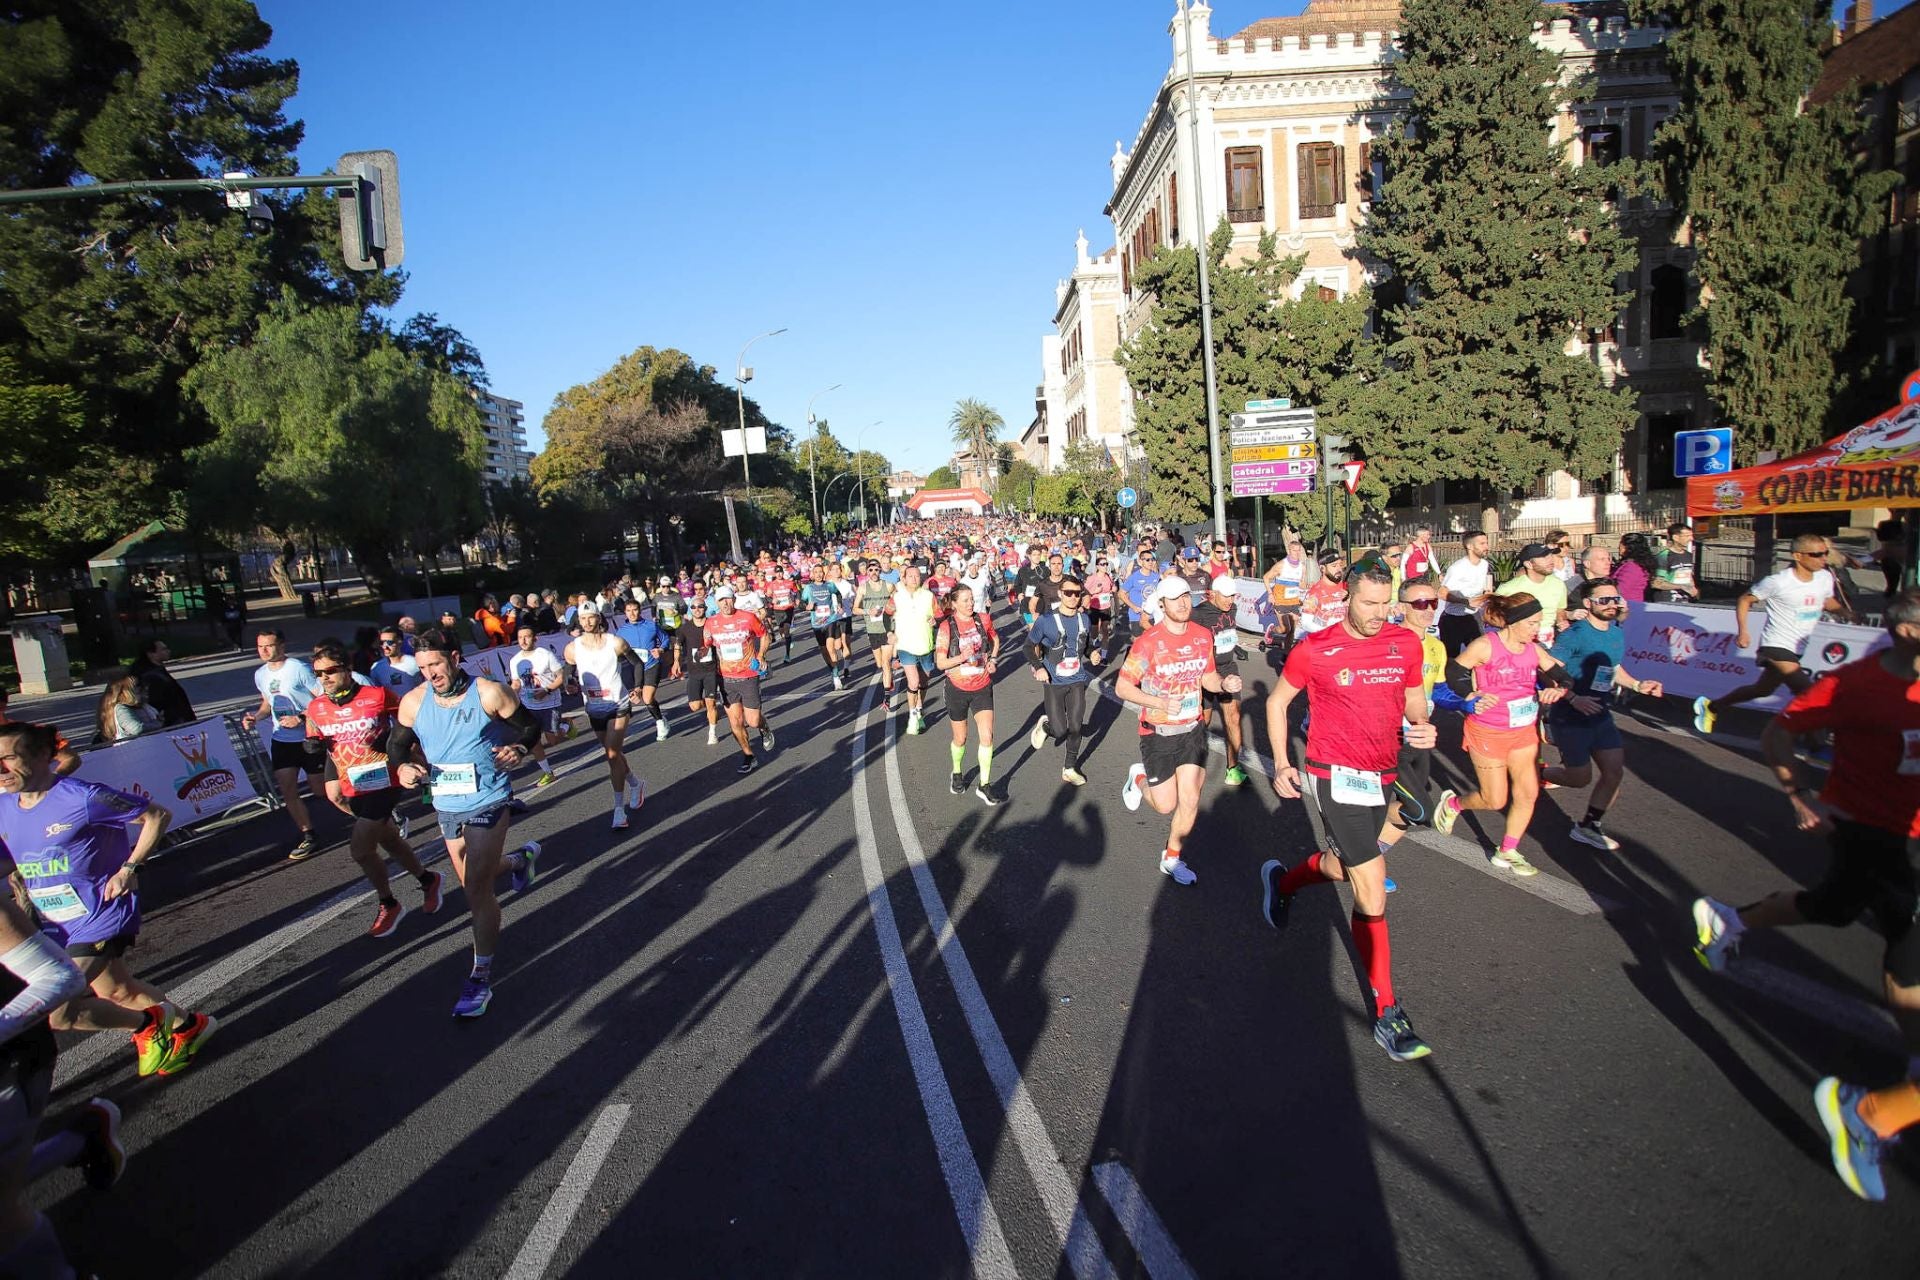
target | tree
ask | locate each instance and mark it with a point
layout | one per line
(1503, 254)
(43, 448)
(117, 298)
(326, 426)
(444, 347)
(1776, 205)
(942, 478)
(1017, 487)
(974, 425)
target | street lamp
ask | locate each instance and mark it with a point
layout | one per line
(827, 493)
(858, 436)
(742, 376)
(812, 479)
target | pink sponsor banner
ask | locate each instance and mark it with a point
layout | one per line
(1692, 649)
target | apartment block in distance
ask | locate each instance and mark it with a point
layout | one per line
(506, 422)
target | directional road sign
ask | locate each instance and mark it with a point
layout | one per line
(1252, 437)
(1267, 470)
(1255, 406)
(1275, 452)
(1273, 418)
(1267, 488)
(1128, 497)
(1702, 453)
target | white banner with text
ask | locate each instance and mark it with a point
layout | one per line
(191, 770)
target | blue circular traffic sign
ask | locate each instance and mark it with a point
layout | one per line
(1128, 497)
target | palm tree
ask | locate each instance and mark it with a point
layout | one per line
(974, 425)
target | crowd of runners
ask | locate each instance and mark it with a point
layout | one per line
(1374, 659)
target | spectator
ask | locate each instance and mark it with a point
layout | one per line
(1596, 563)
(1635, 571)
(409, 631)
(233, 616)
(1890, 550)
(163, 692)
(124, 712)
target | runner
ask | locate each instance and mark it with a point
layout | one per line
(1215, 612)
(1046, 593)
(1062, 651)
(1325, 603)
(1500, 673)
(599, 659)
(1795, 597)
(1136, 590)
(1284, 579)
(1362, 679)
(395, 670)
(67, 838)
(740, 641)
(822, 603)
(1537, 579)
(693, 662)
(840, 643)
(286, 686)
(1467, 584)
(537, 680)
(1674, 576)
(1100, 589)
(347, 730)
(1870, 810)
(782, 594)
(969, 648)
(1419, 612)
(645, 641)
(1581, 724)
(1167, 669)
(912, 606)
(1419, 560)
(1027, 584)
(668, 607)
(870, 603)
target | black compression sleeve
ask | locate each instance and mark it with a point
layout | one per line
(401, 740)
(1556, 676)
(523, 720)
(1459, 678)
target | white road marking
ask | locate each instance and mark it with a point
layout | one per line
(534, 1256)
(1561, 893)
(1151, 1240)
(1847, 1013)
(191, 993)
(1057, 1192)
(979, 1223)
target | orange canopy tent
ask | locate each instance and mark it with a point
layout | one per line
(1877, 464)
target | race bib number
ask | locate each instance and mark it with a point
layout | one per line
(1681, 575)
(1522, 712)
(1104, 600)
(1189, 708)
(57, 902)
(373, 776)
(1224, 641)
(1357, 786)
(823, 613)
(1603, 681)
(731, 651)
(455, 780)
(1067, 667)
(972, 669)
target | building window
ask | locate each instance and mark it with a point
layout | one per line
(1245, 201)
(1323, 178)
(1667, 303)
(1600, 144)
(1626, 327)
(1173, 208)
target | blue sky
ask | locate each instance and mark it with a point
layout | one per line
(899, 186)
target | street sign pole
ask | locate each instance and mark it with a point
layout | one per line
(1259, 532)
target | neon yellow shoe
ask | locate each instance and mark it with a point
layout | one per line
(154, 1040)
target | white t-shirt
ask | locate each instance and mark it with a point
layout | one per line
(541, 666)
(288, 691)
(398, 674)
(1793, 607)
(749, 602)
(1468, 579)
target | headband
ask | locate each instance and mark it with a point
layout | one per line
(1522, 612)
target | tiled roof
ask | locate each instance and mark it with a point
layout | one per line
(1325, 17)
(1881, 54)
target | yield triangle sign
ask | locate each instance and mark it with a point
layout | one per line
(1353, 470)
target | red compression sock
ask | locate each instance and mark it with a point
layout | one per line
(1306, 873)
(1370, 939)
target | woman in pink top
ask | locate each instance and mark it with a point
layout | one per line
(1100, 591)
(1501, 675)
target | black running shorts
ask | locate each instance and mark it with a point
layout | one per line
(1873, 873)
(1163, 753)
(1353, 829)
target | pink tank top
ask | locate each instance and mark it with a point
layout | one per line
(1510, 677)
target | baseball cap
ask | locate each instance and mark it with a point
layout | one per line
(1223, 584)
(724, 593)
(1535, 551)
(1172, 589)
(1189, 553)
(586, 607)
(1330, 556)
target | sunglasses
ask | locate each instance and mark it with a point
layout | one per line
(388, 644)
(1421, 604)
(1606, 600)
(328, 671)
(1071, 595)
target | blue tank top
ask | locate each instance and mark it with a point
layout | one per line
(459, 742)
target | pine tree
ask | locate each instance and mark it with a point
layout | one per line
(1505, 254)
(1775, 204)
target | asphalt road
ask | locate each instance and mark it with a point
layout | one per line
(830, 1020)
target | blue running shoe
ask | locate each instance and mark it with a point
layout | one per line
(517, 807)
(523, 875)
(1856, 1148)
(1392, 886)
(475, 995)
(1396, 1036)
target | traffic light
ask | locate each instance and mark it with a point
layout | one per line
(370, 236)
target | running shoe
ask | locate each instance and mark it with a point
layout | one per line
(1038, 738)
(747, 765)
(957, 784)
(990, 794)
(1590, 833)
(619, 817)
(1393, 886)
(919, 722)
(766, 738)
(189, 1035)
(546, 779)
(636, 793)
(1856, 1147)
(1703, 714)
(838, 683)
(1074, 776)
(713, 735)
(403, 824)
(1515, 861)
(523, 875)
(660, 729)
(1541, 767)
(1132, 793)
(1174, 867)
(1274, 905)
(430, 893)
(566, 729)
(103, 1159)
(1396, 1036)
(387, 919)
(306, 847)
(475, 995)
(150, 1041)
(1236, 776)
(1446, 812)
(517, 807)
(1716, 930)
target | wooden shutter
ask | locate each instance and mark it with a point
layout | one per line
(1339, 174)
(1366, 171)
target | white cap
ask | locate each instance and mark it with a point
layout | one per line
(1223, 584)
(1173, 587)
(724, 593)
(586, 607)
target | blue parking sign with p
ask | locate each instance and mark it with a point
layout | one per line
(1702, 453)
